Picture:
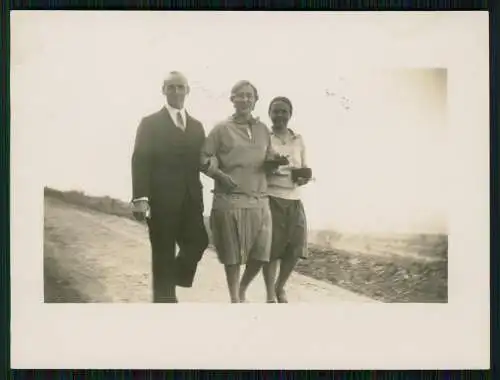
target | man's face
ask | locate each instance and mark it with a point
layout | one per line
(175, 88)
(280, 114)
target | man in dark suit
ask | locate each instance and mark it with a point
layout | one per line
(167, 190)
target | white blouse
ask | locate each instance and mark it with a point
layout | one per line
(279, 183)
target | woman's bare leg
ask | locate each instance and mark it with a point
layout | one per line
(269, 272)
(251, 270)
(233, 281)
(286, 269)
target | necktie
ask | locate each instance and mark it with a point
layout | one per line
(180, 122)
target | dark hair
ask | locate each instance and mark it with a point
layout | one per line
(281, 99)
(242, 83)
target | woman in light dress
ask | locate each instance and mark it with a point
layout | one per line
(236, 155)
(289, 231)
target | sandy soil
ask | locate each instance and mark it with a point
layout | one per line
(95, 257)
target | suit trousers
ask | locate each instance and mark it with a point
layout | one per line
(185, 228)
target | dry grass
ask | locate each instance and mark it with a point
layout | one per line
(105, 204)
(392, 278)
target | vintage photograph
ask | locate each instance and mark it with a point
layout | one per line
(167, 165)
(181, 167)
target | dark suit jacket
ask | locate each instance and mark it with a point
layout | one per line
(166, 162)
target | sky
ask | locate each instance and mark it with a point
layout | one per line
(375, 136)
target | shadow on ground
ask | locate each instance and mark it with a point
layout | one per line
(57, 288)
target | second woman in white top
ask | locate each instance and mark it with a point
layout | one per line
(289, 228)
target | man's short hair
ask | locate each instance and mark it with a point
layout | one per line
(175, 73)
(168, 77)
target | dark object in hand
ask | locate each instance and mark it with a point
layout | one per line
(281, 160)
(305, 173)
(273, 164)
(277, 161)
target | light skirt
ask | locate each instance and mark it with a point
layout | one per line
(242, 234)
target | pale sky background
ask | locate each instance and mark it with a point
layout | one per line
(87, 78)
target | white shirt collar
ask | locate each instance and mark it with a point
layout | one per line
(293, 135)
(173, 113)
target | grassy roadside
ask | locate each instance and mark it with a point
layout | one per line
(387, 279)
(104, 204)
(107, 205)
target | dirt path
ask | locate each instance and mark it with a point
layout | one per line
(95, 257)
